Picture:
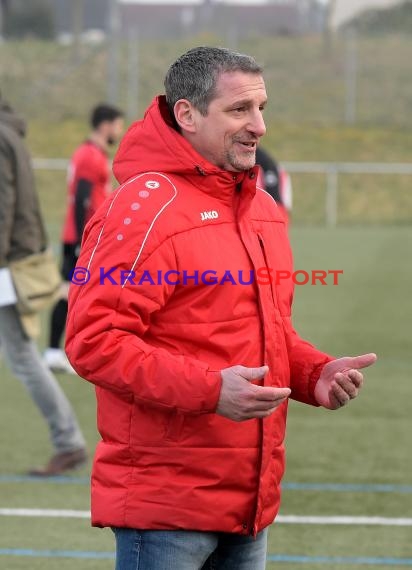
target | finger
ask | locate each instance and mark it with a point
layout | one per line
(339, 394)
(361, 361)
(265, 393)
(334, 402)
(260, 414)
(356, 377)
(347, 385)
(261, 406)
(251, 374)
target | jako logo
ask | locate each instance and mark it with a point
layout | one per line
(212, 215)
(153, 184)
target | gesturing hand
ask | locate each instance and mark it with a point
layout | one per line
(340, 380)
(240, 400)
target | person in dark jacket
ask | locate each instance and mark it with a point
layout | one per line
(22, 233)
(275, 180)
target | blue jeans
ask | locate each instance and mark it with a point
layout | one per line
(187, 550)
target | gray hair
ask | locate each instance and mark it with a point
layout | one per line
(193, 76)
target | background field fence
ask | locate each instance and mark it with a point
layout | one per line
(328, 193)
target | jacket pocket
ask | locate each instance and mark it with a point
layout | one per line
(154, 426)
(175, 426)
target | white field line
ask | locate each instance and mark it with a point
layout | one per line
(344, 520)
(281, 519)
(51, 513)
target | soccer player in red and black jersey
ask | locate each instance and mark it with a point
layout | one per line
(275, 180)
(88, 186)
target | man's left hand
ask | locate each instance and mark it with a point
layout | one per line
(341, 380)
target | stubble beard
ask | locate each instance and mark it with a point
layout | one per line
(241, 164)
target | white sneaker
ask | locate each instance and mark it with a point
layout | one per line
(56, 360)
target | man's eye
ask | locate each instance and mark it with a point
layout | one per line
(239, 109)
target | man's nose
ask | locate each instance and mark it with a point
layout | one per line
(257, 124)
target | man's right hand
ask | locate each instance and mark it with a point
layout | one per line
(240, 400)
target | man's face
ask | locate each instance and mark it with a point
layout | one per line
(115, 130)
(228, 135)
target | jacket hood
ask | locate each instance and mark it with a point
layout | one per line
(153, 144)
(10, 118)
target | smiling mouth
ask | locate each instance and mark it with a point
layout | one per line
(249, 145)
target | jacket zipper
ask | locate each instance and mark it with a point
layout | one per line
(253, 520)
(262, 247)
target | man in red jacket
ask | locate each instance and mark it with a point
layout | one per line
(189, 342)
(88, 186)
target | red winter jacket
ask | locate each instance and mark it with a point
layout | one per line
(154, 346)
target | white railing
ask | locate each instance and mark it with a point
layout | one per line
(331, 170)
(50, 163)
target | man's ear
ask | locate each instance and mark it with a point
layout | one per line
(185, 115)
